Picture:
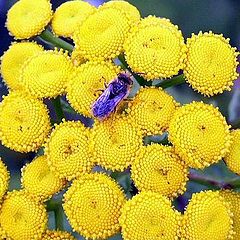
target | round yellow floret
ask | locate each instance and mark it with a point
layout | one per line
(207, 216)
(87, 85)
(46, 74)
(22, 217)
(26, 18)
(92, 205)
(211, 63)
(4, 179)
(199, 134)
(67, 150)
(234, 199)
(38, 180)
(13, 59)
(24, 122)
(155, 49)
(232, 159)
(101, 36)
(128, 9)
(69, 16)
(158, 169)
(149, 215)
(152, 109)
(57, 235)
(114, 143)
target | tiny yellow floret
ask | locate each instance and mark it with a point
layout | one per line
(149, 215)
(24, 122)
(38, 180)
(28, 18)
(102, 34)
(232, 159)
(4, 179)
(13, 60)
(207, 216)
(200, 134)
(68, 151)
(155, 49)
(92, 205)
(69, 16)
(158, 169)
(211, 63)
(22, 217)
(57, 235)
(46, 74)
(87, 85)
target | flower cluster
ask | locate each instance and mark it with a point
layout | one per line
(116, 54)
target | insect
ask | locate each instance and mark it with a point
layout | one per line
(116, 90)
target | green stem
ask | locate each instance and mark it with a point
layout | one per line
(171, 82)
(58, 109)
(48, 37)
(139, 79)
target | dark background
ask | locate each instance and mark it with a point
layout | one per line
(192, 16)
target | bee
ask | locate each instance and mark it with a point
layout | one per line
(114, 93)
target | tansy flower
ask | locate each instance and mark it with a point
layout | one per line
(46, 74)
(57, 235)
(232, 158)
(102, 34)
(114, 143)
(87, 85)
(67, 150)
(207, 217)
(38, 180)
(156, 168)
(128, 9)
(211, 63)
(149, 215)
(69, 16)
(4, 179)
(22, 217)
(24, 122)
(92, 205)
(233, 198)
(13, 59)
(199, 134)
(156, 50)
(152, 109)
(26, 18)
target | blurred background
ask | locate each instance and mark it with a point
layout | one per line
(191, 16)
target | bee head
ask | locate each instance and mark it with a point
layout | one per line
(126, 78)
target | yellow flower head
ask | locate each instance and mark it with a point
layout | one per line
(152, 109)
(211, 63)
(207, 217)
(46, 74)
(13, 59)
(22, 217)
(149, 215)
(155, 49)
(4, 179)
(28, 18)
(157, 168)
(115, 142)
(84, 89)
(130, 10)
(233, 198)
(69, 16)
(38, 180)
(102, 34)
(199, 134)
(232, 158)
(57, 235)
(67, 150)
(92, 205)
(24, 122)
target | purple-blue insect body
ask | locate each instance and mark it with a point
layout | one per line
(112, 96)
